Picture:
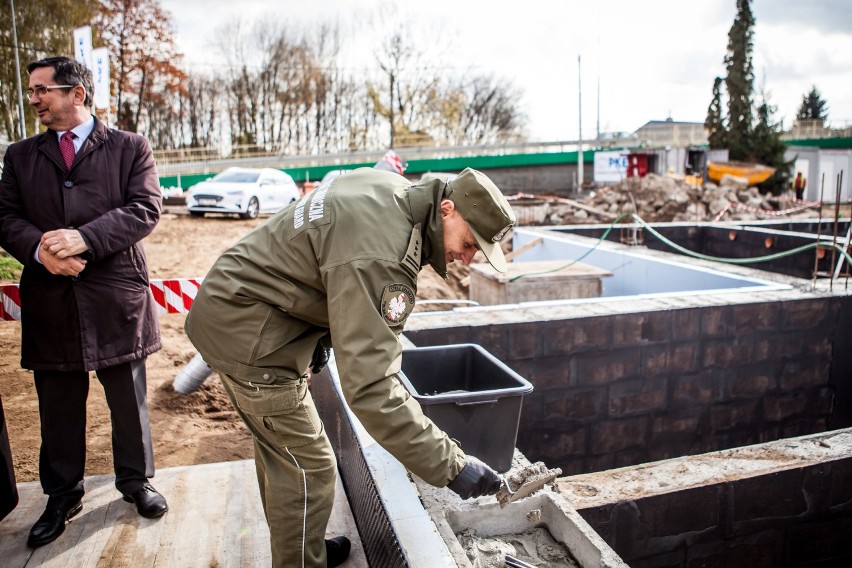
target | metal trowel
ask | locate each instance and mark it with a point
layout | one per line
(532, 482)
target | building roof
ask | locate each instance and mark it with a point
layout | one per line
(668, 122)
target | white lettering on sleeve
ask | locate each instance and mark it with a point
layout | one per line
(317, 204)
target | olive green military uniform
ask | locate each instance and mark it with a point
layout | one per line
(342, 261)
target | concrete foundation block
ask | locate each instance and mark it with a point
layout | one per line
(683, 358)
(609, 366)
(717, 322)
(725, 354)
(700, 389)
(802, 314)
(686, 325)
(637, 397)
(782, 499)
(570, 336)
(782, 407)
(613, 435)
(757, 317)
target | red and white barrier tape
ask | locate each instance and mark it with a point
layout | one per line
(731, 205)
(10, 302)
(174, 296)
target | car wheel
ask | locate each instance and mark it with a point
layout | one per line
(196, 213)
(252, 210)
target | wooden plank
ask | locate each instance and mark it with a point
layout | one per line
(584, 207)
(215, 518)
(522, 249)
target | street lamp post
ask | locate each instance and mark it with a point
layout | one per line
(21, 124)
(580, 126)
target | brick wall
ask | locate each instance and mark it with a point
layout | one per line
(793, 517)
(622, 389)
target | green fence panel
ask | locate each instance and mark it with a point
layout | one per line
(839, 143)
(315, 173)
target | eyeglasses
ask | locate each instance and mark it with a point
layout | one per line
(42, 90)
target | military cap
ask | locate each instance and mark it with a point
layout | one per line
(485, 210)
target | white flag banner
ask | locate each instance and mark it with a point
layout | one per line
(83, 45)
(100, 69)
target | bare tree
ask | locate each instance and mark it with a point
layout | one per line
(411, 59)
(490, 114)
(140, 36)
(284, 88)
(201, 106)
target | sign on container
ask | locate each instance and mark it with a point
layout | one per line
(610, 166)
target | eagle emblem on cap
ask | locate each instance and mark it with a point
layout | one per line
(501, 233)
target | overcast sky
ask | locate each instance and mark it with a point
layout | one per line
(653, 59)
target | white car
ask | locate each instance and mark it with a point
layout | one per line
(245, 191)
(330, 176)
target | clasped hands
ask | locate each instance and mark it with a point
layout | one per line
(60, 252)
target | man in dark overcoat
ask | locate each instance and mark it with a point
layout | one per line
(75, 203)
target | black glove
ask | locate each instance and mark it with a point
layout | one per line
(320, 358)
(475, 479)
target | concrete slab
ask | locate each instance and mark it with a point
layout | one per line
(677, 474)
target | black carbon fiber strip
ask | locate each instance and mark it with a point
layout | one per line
(381, 545)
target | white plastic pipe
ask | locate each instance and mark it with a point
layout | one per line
(193, 374)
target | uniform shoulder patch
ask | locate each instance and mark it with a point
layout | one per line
(411, 261)
(397, 303)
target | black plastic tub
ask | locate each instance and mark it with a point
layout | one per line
(471, 395)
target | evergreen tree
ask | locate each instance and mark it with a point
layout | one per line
(739, 81)
(747, 142)
(715, 122)
(813, 106)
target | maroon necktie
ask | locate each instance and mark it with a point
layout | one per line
(66, 147)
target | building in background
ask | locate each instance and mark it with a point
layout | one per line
(668, 132)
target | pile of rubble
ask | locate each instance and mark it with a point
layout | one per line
(657, 199)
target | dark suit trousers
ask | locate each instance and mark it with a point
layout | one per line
(8, 488)
(62, 409)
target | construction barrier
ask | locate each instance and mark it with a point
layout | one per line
(173, 296)
(770, 213)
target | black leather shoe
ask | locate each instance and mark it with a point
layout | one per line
(337, 551)
(51, 523)
(149, 502)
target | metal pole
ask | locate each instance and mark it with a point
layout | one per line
(580, 127)
(819, 229)
(21, 125)
(836, 227)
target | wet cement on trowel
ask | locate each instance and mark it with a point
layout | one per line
(533, 474)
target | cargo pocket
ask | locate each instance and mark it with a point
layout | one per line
(286, 412)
